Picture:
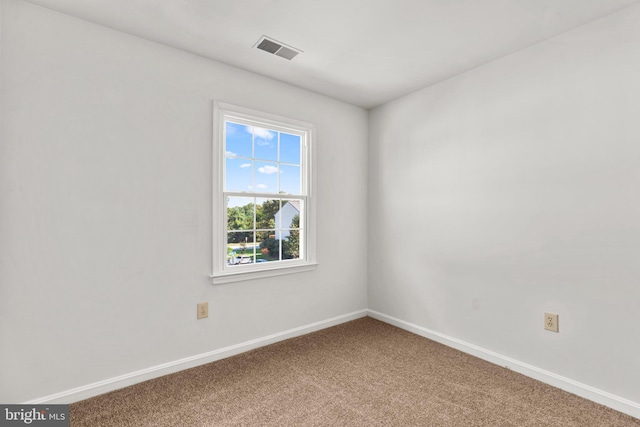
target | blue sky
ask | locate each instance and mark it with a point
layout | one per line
(255, 158)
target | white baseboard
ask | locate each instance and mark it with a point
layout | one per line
(599, 396)
(100, 387)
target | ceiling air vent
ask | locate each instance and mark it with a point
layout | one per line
(272, 46)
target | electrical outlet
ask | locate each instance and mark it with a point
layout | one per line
(203, 310)
(551, 322)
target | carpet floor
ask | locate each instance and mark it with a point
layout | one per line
(361, 373)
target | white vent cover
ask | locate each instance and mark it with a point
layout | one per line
(272, 46)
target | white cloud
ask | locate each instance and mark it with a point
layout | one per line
(268, 169)
(230, 154)
(263, 136)
(263, 133)
(245, 165)
(261, 186)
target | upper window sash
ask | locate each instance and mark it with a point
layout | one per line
(275, 154)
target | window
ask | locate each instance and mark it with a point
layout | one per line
(263, 206)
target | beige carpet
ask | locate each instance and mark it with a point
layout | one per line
(362, 373)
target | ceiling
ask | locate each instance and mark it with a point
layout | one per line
(364, 52)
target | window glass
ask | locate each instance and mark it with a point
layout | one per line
(289, 148)
(238, 173)
(266, 177)
(238, 140)
(265, 144)
(290, 179)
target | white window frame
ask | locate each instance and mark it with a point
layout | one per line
(223, 273)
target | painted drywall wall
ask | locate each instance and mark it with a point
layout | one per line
(105, 178)
(512, 190)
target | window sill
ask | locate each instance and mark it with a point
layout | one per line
(239, 276)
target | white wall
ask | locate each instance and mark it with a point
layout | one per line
(517, 184)
(105, 176)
